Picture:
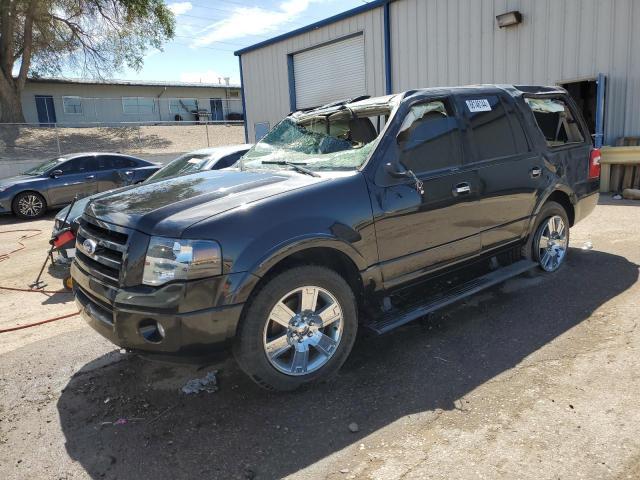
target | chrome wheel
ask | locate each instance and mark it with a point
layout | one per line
(30, 205)
(552, 243)
(303, 330)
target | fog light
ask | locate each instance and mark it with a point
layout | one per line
(151, 330)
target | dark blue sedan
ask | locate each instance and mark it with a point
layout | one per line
(55, 182)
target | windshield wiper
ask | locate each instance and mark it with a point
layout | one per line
(296, 166)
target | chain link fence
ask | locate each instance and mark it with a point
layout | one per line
(25, 145)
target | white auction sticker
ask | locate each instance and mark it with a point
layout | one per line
(479, 105)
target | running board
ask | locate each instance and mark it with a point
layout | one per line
(397, 318)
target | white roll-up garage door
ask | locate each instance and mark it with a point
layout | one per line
(330, 72)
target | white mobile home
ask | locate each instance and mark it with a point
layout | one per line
(74, 102)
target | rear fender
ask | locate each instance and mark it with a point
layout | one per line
(558, 187)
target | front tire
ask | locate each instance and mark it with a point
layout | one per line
(298, 329)
(29, 205)
(550, 241)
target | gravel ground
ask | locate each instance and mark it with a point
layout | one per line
(534, 379)
(24, 147)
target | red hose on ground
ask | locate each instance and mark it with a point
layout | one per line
(5, 256)
(39, 323)
(12, 289)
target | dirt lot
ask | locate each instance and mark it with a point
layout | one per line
(23, 147)
(535, 379)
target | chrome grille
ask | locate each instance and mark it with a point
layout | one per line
(101, 248)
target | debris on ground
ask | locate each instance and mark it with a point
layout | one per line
(617, 196)
(209, 384)
(353, 427)
(587, 246)
(631, 193)
(122, 421)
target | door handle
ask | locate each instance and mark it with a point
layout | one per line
(462, 189)
(90, 177)
(128, 172)
(536, 172)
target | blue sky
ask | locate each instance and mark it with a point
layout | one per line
(209, 31)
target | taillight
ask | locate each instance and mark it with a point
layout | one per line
(594, 163)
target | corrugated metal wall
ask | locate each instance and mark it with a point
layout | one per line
(265, 72)
(457, 42)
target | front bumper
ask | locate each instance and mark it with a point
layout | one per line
(119, 313)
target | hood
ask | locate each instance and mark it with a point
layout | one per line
(170, 206)
(19, 179)
(80, 204)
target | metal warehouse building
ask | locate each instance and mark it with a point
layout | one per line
(591, 47)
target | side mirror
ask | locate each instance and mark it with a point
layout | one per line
(396, 171)
(56, 174)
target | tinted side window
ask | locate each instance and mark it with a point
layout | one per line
(123, 162)
(429, 137)
(105, 163)
(522, 145)
(79, 165)
(109, 163)
(229, 160)
(555, 121)
(492, 134)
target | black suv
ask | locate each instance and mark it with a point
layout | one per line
(367, 213)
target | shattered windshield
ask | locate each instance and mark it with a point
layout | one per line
(336, 138)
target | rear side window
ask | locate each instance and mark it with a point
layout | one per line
(123, 162)
(429, 137)
(556, 121)
(105, 163)
(493, 133)
(110, 162)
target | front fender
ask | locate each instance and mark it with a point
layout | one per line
(304, 242)
(240, 291)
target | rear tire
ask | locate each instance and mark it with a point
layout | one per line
(298, 329)
(549, 243)
(29, 205)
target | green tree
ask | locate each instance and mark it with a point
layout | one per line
(94, 37)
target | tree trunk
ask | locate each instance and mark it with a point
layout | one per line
(10, 102)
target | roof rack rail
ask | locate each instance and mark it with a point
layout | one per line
(538, 88)
(337, 103)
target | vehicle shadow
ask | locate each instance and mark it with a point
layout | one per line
(242, 431)
(9, 219)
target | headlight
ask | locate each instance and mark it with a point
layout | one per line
(177, 259)
(4, 187)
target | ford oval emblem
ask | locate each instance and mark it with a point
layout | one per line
(89, 246)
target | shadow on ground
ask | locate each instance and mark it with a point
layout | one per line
(242, 431)
(9, 221)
